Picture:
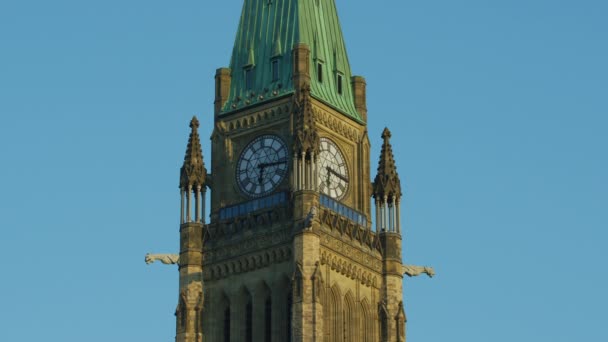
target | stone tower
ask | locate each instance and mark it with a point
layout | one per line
(289, 252)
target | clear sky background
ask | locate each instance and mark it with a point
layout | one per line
(499, 116)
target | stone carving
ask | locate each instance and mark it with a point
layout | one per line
(414, 271)
(247, 263)
(230, 249)
(258, 118)
(352, 252)
(329, 120)
(312, 214)
(306, 135)
(334, 222)
(349, 269)
(167, 259)
(193, 293)
(258, 220)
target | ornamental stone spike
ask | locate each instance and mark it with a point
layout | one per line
(193, 173)
(306, 138)
(387, 183)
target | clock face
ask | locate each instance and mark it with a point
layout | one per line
(262, 165)
(333, 172)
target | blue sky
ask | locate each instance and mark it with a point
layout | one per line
(499, 118)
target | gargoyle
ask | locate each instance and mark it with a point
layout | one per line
(414, 271)
(167, 259)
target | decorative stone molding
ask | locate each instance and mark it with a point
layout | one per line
(247, 263)
(232, 248)
(344, 227)
(362, 257)
(256, 220)
(255, 119)
(337, 125)
(348, 269)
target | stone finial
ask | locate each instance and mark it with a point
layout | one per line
(387, 183)
(306, 136)
(193, 172)
(386, 135)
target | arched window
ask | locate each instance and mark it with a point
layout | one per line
(366, 322)
(183, 314)
(249, 322)
(383, 323)
(348, 319)
(288, 316)
(268, 319)
(227, 325)
(335, 315)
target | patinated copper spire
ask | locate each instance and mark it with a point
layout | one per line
(193, 173)
(387, 183)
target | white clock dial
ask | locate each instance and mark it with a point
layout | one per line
(262, 166)
(333, 172)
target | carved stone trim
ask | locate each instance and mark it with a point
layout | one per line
(349, 269)
(256, 118)
(337, 125)
(346, 250)
(247, 263)
(334, 222)
(235, 248)
(257, 220)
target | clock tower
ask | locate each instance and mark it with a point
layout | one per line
(289, 251)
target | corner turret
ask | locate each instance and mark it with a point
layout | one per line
(387, 195)
(193, 178)
(387, 189)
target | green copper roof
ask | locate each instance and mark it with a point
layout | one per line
(268, 30)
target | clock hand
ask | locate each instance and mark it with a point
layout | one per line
(261, 177)
(330, 170)
(263, 165)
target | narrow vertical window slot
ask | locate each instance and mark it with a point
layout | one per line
(249, 322)
(320, 72)
(268, 320)
(340, 86)
(249, 78)
(227, 325)
(275, 70)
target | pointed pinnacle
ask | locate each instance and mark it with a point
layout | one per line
(386, 135)
(193, 172)
(194, 124)
(387, 181)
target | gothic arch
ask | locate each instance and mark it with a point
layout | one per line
(244, 321)
(366, 322)
(383, 321)
(349, 318)
(181, 313)
(282, 314)
(265, 297)
(334, 316)
(225, 313)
